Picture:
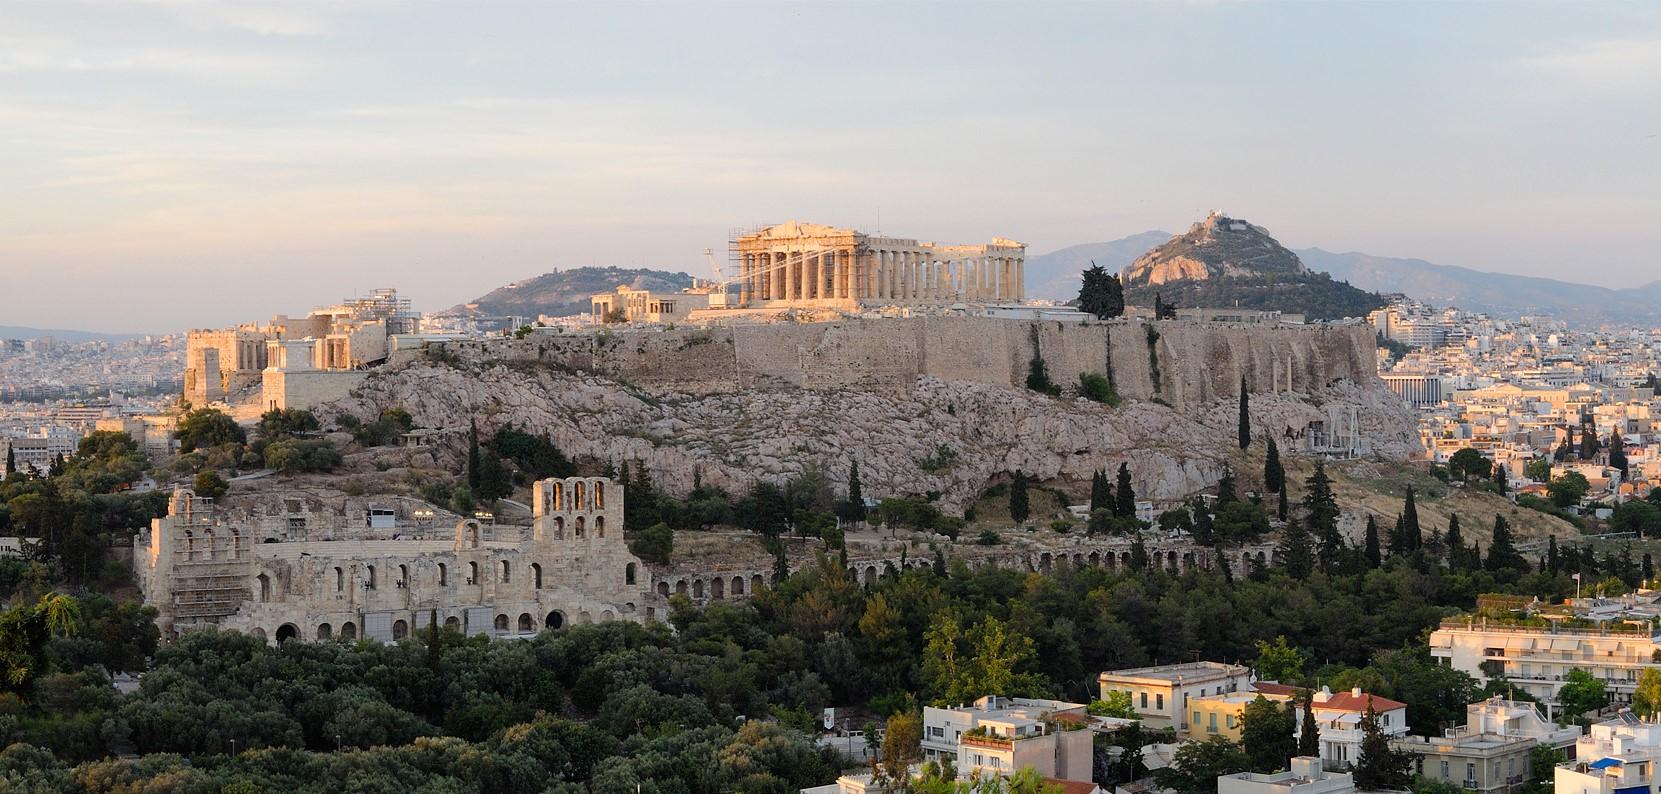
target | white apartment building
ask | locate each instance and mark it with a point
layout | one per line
(1161, 694)
(1305, 777)
(1612, 639)
(1617, 757)
(1004, 735)
(1339, 718)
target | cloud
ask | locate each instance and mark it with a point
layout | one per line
(1616, 65)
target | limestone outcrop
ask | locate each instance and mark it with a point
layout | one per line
(915, 433)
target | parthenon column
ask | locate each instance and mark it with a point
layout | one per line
(1021, 278)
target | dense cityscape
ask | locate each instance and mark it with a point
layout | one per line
(521, 398)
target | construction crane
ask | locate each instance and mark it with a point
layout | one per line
(715, 266)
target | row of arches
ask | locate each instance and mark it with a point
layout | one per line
(503, 623)
(578, 494)
(579, 527)
(719, 587)
(210, 546)
(441, 577)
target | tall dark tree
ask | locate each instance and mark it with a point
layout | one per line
(1410, 534)
(1379, 766)
(1320, 505)
(1500, 482)
(1101, 492)
(1225, 488)
(1370, 549)
(1455, 542)
(1274, 474)
(1124, 496)
(1282, 507)
(856, 494)
(1309, 738)
(1589, 444)
(1502, 553)
(1245, 417)
(11, 460)
(1617, 454)
(1296, 551)
(1138, 554)
(473, 455)
(1649, 567)
(1551, 555)
(1019, 508)
(1101, 293)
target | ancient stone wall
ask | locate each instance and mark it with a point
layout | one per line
(1180, 362)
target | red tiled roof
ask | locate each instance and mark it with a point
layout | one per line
(1072, 786)
(1273, 688)
(1347, 701)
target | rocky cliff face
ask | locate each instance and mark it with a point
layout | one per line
(1216, 247)
(949, 436)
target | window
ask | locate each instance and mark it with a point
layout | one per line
(1144, 700)
(1159, 701)
(1470, 771)
(1211, 724)
(403, 576)
(472, 573)
(340, 580)
(628, 578)
(536, 575)
(370, 570)
(506, 572)
(443, 575)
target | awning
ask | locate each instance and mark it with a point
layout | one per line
(1604, 763)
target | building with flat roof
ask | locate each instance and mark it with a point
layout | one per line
(1305, 777)
(1617, 757)
(1162, 694)
(1004, 735)
(1223, 714)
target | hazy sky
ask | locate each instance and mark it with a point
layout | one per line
(165, 165)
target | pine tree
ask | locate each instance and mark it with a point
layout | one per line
(473, 456)
(1319, 503)
(1410, 524)
(1274, 474)
(1370, 549)
(1124, 495)
(1225, 488)
(1019, 508)
(1379, 766)
(1309, 739)
(1245, 417)
(856, 495)
(1101, 293)
(1296, 551)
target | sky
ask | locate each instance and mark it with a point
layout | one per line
(175, 164)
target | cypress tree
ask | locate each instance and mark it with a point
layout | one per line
(1617, 454)
(1410, 524)
(1101, 492)
(1225, 488)
(856, 495)
(1019, 508)
(1649, 567)
(1245, 417)
(1124, 495)
(1320, 504)
(473, 455)
(1501, 553)
(1379, 766)
(1274, 474)
(1282, 508)
(1101, 293)
(1371, 551)
(1456, 544)
(1551, 555)
(1500, 482)
(1309, 739)
(1138, 554)
(11, 460)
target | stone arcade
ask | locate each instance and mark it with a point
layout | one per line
(570, 565)
(801, 264)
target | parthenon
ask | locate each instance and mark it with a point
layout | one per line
(802, 264)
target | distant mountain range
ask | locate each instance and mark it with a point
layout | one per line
(61, 334)
(1055, 276)
(566, 292)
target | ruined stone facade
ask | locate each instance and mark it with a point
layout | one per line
(387, 576)
(224, 365)
(807, 265)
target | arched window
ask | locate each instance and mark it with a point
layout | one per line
(325, 632)
(599, 496)
(599, 526)
(190, 545)
(400, 629)
(526, 625)
(403, 576)
(369, 571)
(501, 622)
(536, 575)
(559, 528)
(265, 587)
(340, 580)
(738, 585)
(559, 496)
(579, 528)
(443, 575)
(628, 574)
(348, 630)
(507, 572)
(287, 632)
(580, 503)
(236, 545)
(472, 573)
(663, 589)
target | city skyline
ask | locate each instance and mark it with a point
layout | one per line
(188, 163)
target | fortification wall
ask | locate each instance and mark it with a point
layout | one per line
(1177, 361)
